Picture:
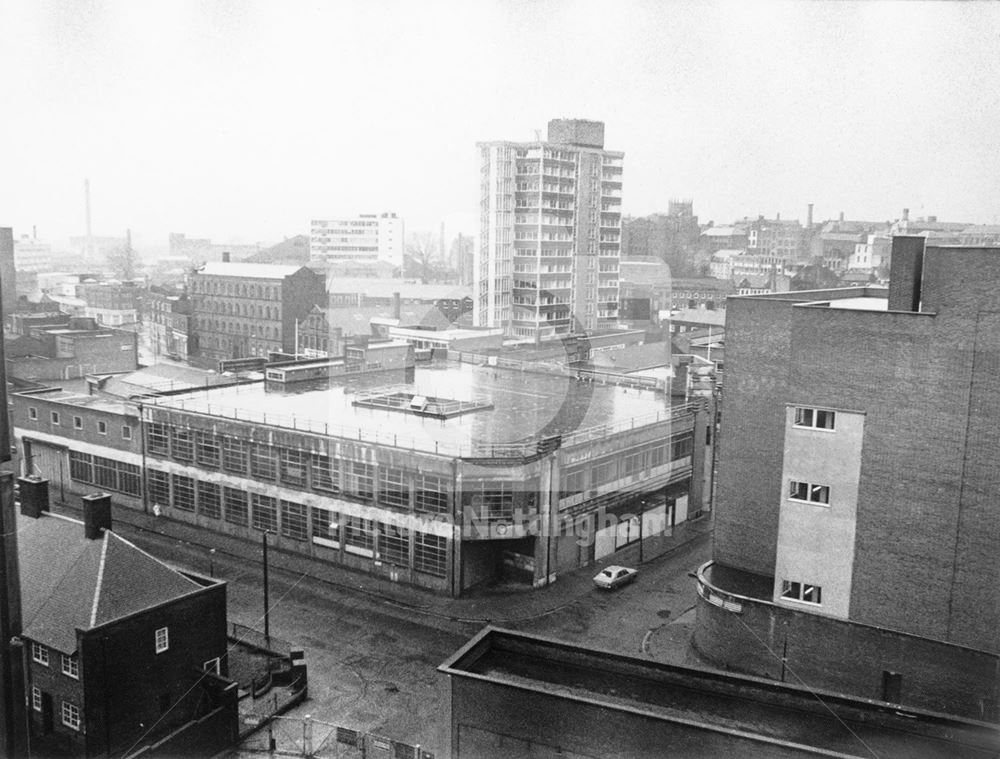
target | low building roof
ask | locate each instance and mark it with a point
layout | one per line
(715, 318)
(374, 287)
(723, 232)
(69, 582)
(251, 271)
(357, 321)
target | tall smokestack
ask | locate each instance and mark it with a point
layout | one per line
(906, 214)
(34, 232)
(809, 216)
(841, 215)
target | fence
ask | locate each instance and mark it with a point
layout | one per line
(428, 444)
(308, 737)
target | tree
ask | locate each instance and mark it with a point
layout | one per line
(421, 254)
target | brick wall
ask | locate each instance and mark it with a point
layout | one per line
(823, 652)
(125, 677)
(751, 438)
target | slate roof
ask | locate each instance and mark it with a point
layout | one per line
(70, 582)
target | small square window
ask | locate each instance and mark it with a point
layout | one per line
(54, 415)
(77, 422)
(102, 428)
(126, 432)
(71, 666)
(820, 419)
(790, 589)
(805, 491)
(162, 640)
(40, 654)
(36, 698)
(32, 412)
(800, 591)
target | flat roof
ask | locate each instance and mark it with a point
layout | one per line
(773, 712)
(99, 402)
(253, 271)
(853, 304)
(526, 406)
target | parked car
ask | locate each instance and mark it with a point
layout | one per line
(614, 577)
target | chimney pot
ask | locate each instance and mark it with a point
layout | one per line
(34, 493)
(96, 515)
(225, 256)
(841, 215)
(906, 214)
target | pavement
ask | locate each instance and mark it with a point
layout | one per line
(504, 606)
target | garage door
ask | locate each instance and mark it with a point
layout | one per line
(681, 509)
(604, 542)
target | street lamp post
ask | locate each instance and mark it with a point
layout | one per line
(267, 603)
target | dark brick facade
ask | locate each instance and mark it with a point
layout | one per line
(927, 525)
(821, 652)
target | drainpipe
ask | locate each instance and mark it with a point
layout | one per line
(142, 473)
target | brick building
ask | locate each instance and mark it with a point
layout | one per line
(856, 522)
(168, 313)
(672, 237)
(704, 292)
(74, 347)
(780, 238)
(245, 310)
(121, 650)
(111, 304)
(437, 474)
(452, 301)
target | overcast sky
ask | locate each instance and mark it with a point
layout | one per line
(240, 121)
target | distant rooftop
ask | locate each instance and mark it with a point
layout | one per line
(252, 271)
(385, 288)
(716, 317)
(524, 406)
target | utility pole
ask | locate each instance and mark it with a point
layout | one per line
(267, 602)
